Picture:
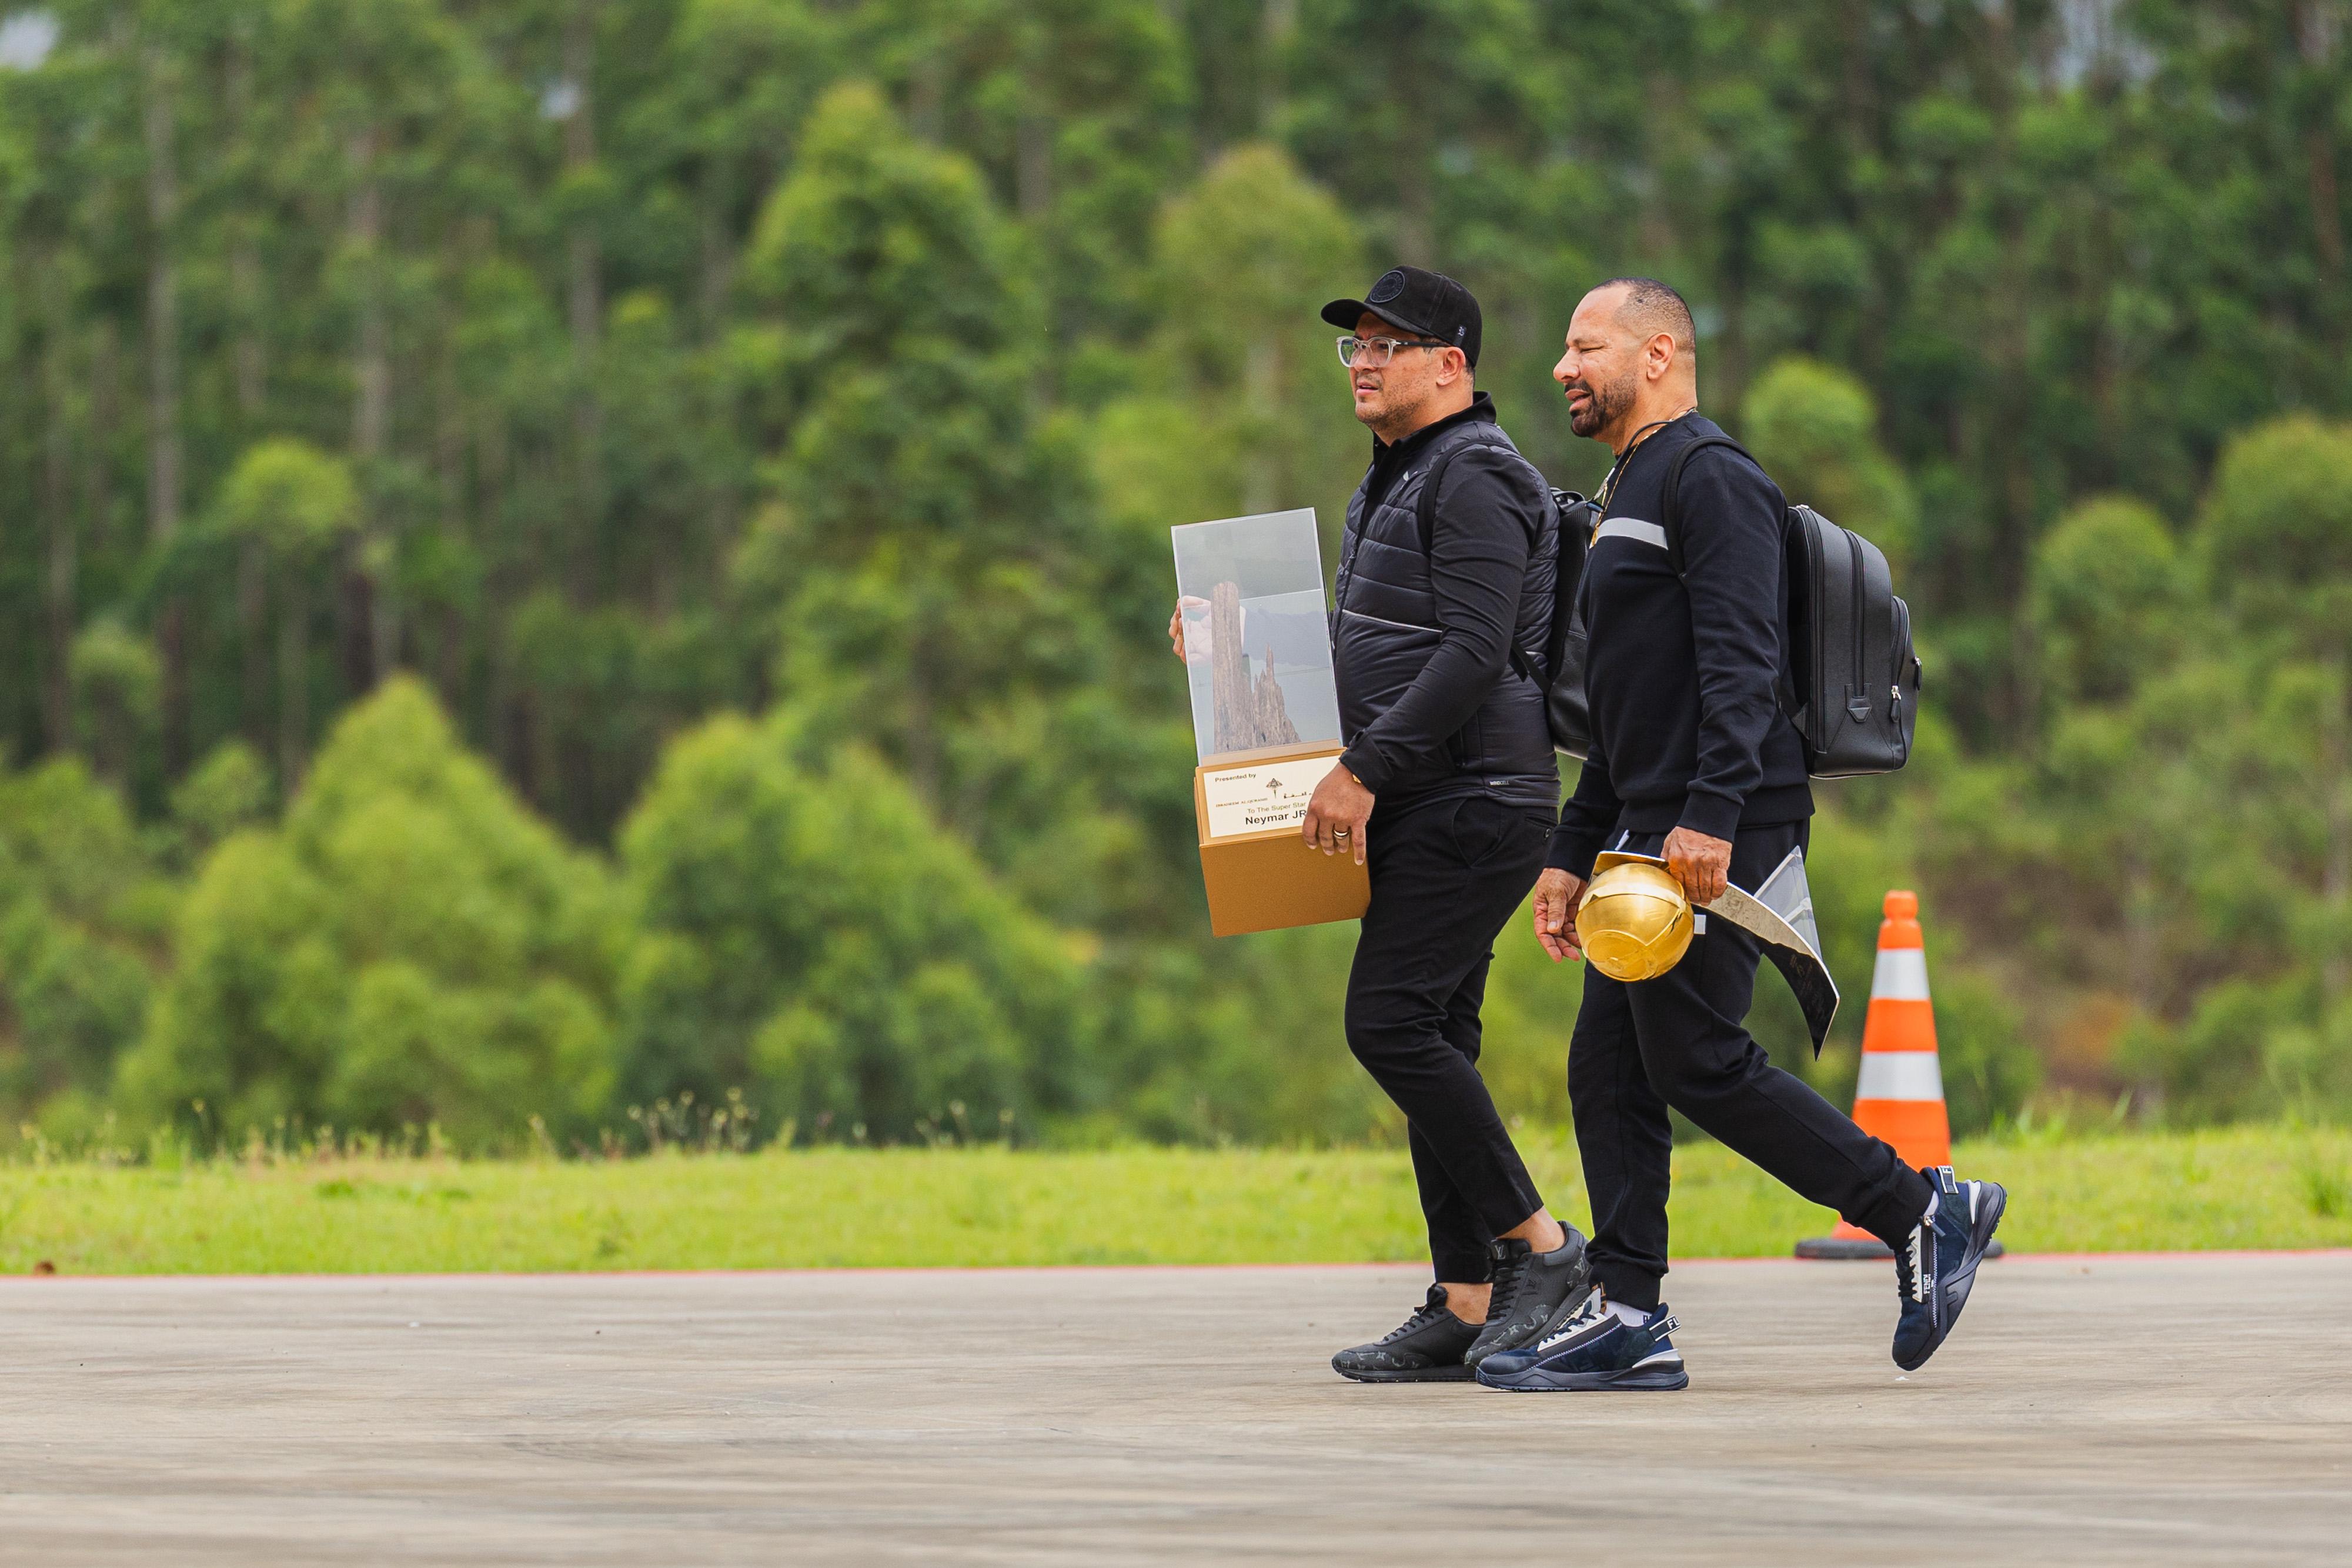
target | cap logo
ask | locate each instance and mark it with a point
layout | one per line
(1390, 285)
(1460, 332)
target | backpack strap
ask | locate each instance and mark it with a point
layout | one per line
(1670, 505)
(1425, 512)
(1669, 494)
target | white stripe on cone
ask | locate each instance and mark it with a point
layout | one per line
(1899, 1075)
(1900, 975)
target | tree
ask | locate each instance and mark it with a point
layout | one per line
(410, 947)
(1072, 109)
(2277, 531)
(116, 681)
(2110, 597)
(812, 936)
(1815, 430)
(83, 912)
(1246, 258)
(920, 545)
(297, 505)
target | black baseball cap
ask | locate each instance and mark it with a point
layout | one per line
(1427, 303)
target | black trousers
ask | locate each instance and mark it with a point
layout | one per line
(1680, 1040)
(1446, 876)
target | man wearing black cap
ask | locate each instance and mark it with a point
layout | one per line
(1447, 790)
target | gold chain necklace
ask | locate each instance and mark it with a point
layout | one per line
(1609, 485)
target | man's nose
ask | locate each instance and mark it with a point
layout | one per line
(1565, 371)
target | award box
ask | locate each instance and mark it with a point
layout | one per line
(1265, 720)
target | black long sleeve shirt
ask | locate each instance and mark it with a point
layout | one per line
(1680, 672)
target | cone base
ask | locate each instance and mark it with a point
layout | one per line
(1867, 1249)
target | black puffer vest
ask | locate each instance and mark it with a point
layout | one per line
(1384, 629)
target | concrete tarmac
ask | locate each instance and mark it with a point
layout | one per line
(2162, 1410)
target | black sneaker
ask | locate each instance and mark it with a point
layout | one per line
(1935, 1269)
(1594, 1349)
(1535, 1293)
(1427, 1347)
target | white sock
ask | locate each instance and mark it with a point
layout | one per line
(1631, 1317)
(1934, 1202)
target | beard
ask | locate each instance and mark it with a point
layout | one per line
(1603, 403)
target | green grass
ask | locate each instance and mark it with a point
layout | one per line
(2238, 1187)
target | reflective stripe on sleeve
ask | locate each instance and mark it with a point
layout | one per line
(1632, 529)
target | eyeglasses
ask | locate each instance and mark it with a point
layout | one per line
(1378, 352)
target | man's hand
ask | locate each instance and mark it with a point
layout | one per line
(1337, 814)
(1557, 896)
(1176, 632)
(1702, 864)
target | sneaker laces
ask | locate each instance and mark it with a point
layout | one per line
(1423, 1316)
(1589, 1311)
(1510, 1270)
(1909, 1274)
(1594, 1307)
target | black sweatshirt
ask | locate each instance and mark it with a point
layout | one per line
(1686, 728)
(1490, 506)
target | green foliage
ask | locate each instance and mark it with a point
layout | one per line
(1990, 1070)
(83, 910)
(2277, 530)
(809, 933)
(408, 948)
(2110, 593)
(608, 367)
(115, 676)
(916, 558)
(1239, 258)
(294, 498)
(228, 791)
(1815, 430)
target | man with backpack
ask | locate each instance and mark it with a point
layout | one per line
(1685, 601)
(1447, 789)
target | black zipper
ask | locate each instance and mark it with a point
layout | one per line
(1854, 552)
(1813, 698)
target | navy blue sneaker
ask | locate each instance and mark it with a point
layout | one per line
(1935, 1269)
(1594, 1349)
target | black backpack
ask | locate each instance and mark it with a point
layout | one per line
(1850, 636)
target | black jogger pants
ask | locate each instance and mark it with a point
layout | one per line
(1682, 1040)
(1446, 875)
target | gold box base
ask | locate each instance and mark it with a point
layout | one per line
(1269, 880)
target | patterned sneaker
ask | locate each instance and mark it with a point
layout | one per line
(1594, 1349)
(1535, 1293)
(1935, 1269)
(1427, 1347)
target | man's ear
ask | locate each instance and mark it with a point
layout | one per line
(1454, 365)
(1658, 355)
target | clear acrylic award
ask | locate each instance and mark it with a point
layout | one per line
(1265, 719)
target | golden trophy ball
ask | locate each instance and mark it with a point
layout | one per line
(1635, 923)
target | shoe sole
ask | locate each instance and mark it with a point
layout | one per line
(1410, 1375)
(1560, 1314)
(1534, 1381)
(1987, 1221)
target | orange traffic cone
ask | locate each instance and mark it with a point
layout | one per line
(1900, 1096)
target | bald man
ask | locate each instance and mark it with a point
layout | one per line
(1692, 759)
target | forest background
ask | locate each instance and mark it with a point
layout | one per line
(573, 571)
